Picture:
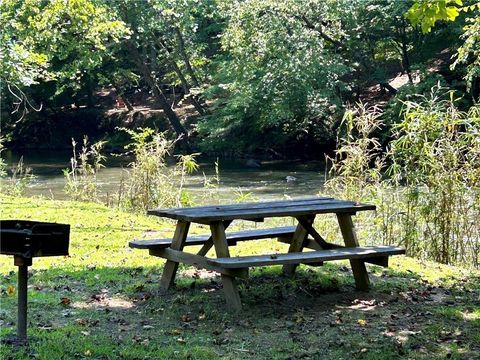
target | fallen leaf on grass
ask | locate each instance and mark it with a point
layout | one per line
(86, 322)
(140, 340)
(96, 297)
(186, 318)
(221, 341)
(82, 322)
(181, 341)
(85, 333)
(176, 332)
(10, 290)
(65, 301)
(87, 353)
(361, 322)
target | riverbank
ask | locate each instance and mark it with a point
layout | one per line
(102, 302)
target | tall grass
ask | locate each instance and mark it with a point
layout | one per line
(426, 186)
(14, 181)
(149, 182)
(81, 178)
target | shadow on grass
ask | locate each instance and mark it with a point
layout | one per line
(110, 313)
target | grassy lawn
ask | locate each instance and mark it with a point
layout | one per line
(102, 302)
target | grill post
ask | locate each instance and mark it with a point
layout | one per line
(22, 264)
(25, 239)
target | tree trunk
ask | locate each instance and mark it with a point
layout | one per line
(185, 85)
(157, 92)
(404, 43)
(89, 89)
(186, 60)
(406, 62)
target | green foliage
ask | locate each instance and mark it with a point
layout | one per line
(81, 179)
(469, 53)
(20, 63)
(186, 164)
(429, 198)
(16, 184)
(59, 41)
(436, 156)
(393, 110)
(426, 13)
(262, 75)
(278, 77)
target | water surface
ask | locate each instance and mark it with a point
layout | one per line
(272, 180)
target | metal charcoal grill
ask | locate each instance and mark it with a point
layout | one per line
(26, 240)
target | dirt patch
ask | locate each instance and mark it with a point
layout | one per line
(104, 301)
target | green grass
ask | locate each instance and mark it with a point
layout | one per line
(111, 308)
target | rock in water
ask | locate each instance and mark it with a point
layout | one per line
(253, 163)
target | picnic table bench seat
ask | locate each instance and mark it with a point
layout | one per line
(362, 253)
(232, 238)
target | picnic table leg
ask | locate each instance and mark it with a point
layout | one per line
(349, 236)
(297, 244)
(229, 283)
(171, 267)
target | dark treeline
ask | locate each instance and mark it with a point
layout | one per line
(269, 77)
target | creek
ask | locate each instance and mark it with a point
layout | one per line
(272, 180)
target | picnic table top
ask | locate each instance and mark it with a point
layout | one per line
(259, 210)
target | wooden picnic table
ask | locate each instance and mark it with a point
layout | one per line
(302, 235)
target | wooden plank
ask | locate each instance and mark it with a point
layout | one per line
(197, 261)
(251, 214)
(171, 267)
(232, 238)
(312, 244)
(359, 270)
(251, 210)
(229, 283)
(353, 253)
(316, 236)
(247, 205)
(207, 246)
(297, 244)
(209, 243)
